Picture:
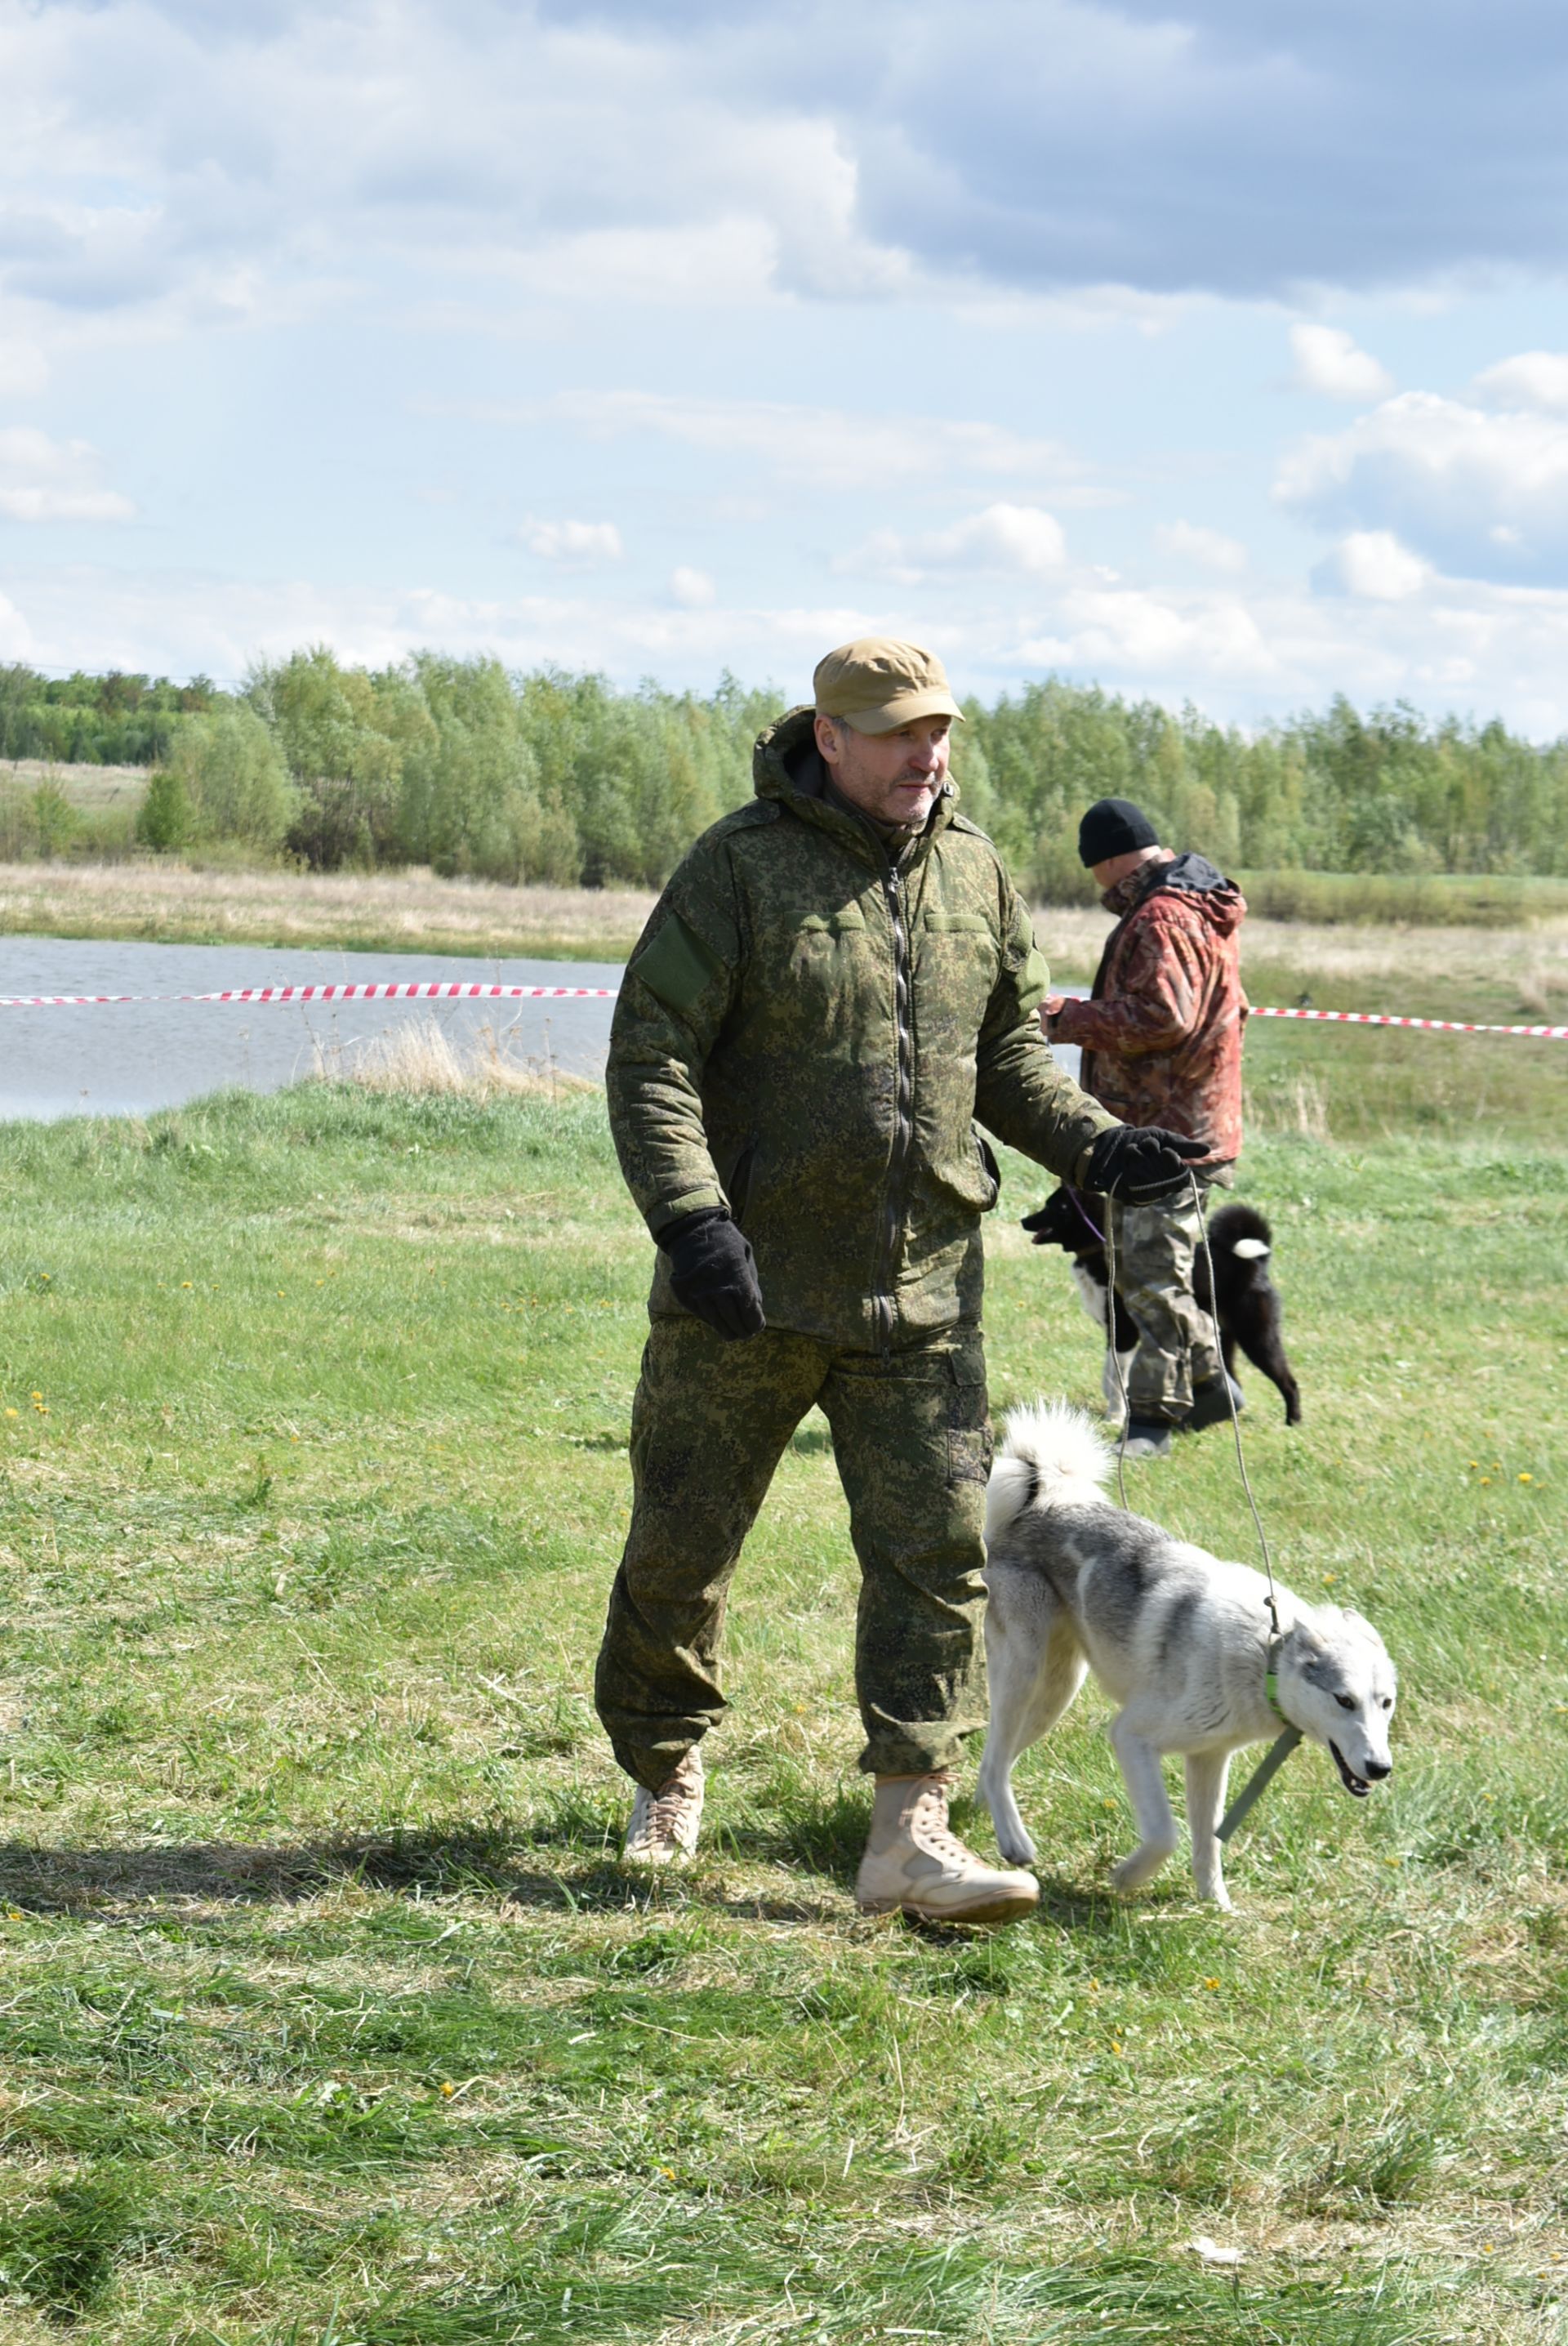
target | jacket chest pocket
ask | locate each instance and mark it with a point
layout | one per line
(831, 979)
(959, 964)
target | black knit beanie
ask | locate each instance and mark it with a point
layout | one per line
(1114, 827)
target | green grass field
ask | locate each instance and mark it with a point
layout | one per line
(327, 2014)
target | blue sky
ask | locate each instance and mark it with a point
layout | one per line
(1215, 351)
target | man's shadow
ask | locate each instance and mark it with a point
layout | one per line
(480, 1861)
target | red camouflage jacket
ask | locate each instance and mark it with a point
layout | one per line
(1161, 1032)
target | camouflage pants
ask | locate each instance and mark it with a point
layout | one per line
(912, 1438)
(1157, 1247)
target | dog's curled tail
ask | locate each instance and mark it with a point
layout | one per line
(1052, 1455)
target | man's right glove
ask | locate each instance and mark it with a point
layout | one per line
(713, 1273)
(1140, 1165)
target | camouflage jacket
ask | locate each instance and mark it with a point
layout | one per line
(1161, 1032)
(805, 1033)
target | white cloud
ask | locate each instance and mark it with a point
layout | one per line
(1125, 631)
(1022, 539)
(1534, 379)
(44, 480)
(1485, 648)
(173, 151)
(694, 590)
(24, 368)
(1329, 361)
(1209, 548)
(579, 543)
(1373, 565)
(832, 447)
(1480, 494)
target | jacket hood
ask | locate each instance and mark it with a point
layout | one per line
(1219, 899)
(783, 755)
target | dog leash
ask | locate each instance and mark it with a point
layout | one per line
(1284, 1743)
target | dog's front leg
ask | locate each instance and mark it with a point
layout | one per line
(1151, 1806)
(1205, 1775)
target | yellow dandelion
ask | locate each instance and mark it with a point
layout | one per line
(1485, 1480)
(1329, 1578)
(12, 1413)
(187, 1283)
(1211, 1983)
(37, 1396)
(1473, 1465)
(1115, 2047)
(447, 2088)
(1527, 1478)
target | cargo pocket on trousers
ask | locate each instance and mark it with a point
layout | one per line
(970, 1445)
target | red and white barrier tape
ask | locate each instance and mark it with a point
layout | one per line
(419, 990)
(1432, 1026)
(443, 990)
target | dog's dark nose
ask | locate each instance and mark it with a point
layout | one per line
(1376, 1770)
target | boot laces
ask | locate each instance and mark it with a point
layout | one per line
(930, 1825)
(668, 1808)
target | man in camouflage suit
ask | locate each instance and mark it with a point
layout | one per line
(1161, 1037)
(839, 978)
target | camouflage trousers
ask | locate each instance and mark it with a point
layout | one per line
(1157, 1247)
(911, 1439)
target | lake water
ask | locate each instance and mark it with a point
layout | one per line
(128, 1058)
(120, 1058)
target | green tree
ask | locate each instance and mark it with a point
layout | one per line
(235, 776)
(165, 819)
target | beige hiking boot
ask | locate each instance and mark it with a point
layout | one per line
(663, 1828)
(915, 1862)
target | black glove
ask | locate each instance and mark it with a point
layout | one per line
(1141, 1166)
(713, 1274)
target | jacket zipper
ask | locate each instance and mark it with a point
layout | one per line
(903, 1113)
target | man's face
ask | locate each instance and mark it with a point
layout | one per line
(1117, 867)
(894, 777)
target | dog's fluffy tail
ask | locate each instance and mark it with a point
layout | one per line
(1052, 1455)
(1241, 1231)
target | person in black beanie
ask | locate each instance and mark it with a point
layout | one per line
(1161, 1038)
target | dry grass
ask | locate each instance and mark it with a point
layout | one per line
(421, 1059)
(403, 911)
(1531, 962)
(85, 786)
(1519, 972)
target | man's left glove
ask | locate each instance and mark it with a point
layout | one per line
(1141, 1166)
(713, 1273)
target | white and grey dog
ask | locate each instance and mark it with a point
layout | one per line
(1179, 1641)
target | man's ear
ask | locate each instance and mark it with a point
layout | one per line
(827, 738)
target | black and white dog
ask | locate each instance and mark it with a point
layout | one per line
(1248, 1302)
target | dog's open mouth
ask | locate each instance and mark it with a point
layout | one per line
(1358, 1785)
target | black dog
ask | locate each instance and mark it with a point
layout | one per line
(1248, 1302)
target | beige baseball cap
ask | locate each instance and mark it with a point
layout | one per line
(877, 684)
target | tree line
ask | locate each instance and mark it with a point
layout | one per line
(557, 778)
